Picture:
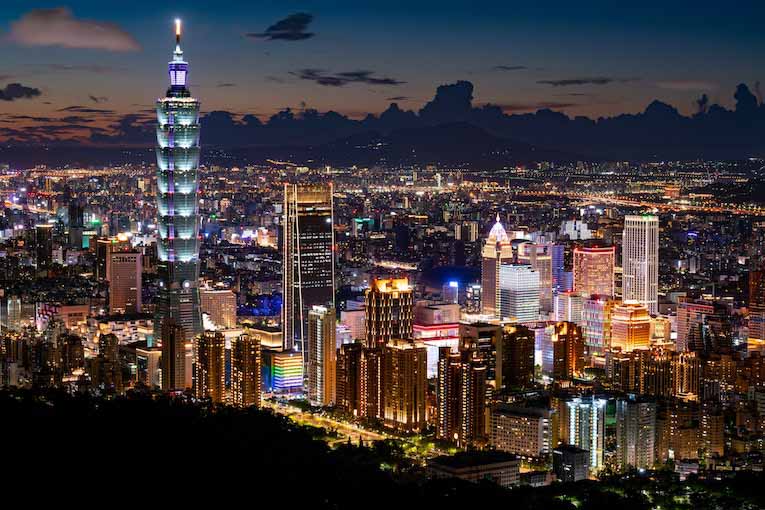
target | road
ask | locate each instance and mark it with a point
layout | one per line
(344, 429)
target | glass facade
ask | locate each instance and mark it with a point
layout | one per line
(177, 203)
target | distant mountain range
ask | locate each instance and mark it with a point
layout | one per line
(449, 129)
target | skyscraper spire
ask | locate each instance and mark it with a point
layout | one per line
(177, 202)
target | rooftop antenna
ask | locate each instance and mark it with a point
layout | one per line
(178, 31)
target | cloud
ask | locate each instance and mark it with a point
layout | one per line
(14, 91)
(398, 98)
(58, 27)
(531, 107)
(88, 68)
(225, 85)
(686, 85)
(510, 68)
(341, 79)
(85, 109)
(598, 80)
(291, 28)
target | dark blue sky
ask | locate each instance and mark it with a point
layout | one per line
(583, 58)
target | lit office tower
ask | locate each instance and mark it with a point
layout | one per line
(756, 339)
(496, 252)
(245, 371)
(405, 372)
(220, 306)
(587, 427)
(105, 247)
(13, 313)
(210, 366)
(515, 356)
(177, 203)
(321, 355)
(562, 280)
(568, 350)
(539, 256)
(308, 257)
(43, 247)
(568, 307)
(76, 224)
(640, 260)
(461, 396)
(594, 270)
(389, 311)
(518, 293)
(630, 327)
(635, 433)
(173, 356)
(596, 316)
(125, 282)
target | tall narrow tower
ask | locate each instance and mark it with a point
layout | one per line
(177, 204)
(640, 260)
(497, 251)
(309, 261)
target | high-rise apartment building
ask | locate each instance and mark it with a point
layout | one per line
(594, 270)
(177, 200)
(348, 375)
(245, 371)
(322, 357)
(125, 280)
(486, 339)
(173, 339)
(497, 251)
(372, 384)
(308, 257)
(461, 397)
(405, 385)
(516, 356)
(568, 351)
(210, 367)
(389, 311)
(586, 427)
(640, 261)
(635, 433)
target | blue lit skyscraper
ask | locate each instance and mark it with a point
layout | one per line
(177, 204)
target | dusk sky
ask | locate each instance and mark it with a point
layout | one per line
(583, 58)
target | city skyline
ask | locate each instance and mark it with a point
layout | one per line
(447, 307)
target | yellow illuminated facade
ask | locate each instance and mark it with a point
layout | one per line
(389, 311)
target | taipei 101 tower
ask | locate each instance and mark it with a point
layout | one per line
(177, 203)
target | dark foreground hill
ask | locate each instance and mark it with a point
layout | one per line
(144, 450)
